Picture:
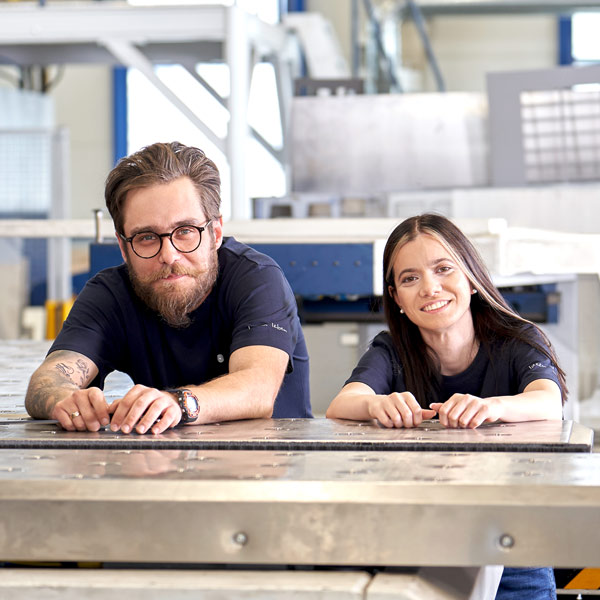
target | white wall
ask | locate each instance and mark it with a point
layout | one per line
(467, 47)
(83, 101)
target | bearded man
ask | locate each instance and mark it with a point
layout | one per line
(206, 327)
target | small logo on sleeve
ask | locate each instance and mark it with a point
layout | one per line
(278, 327)
(536, 365)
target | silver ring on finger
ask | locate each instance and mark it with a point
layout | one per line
(75, 414)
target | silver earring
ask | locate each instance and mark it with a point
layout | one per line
(473, 291)
(401, 311)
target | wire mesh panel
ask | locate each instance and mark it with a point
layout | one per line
(25, 172)
(561, 135)
(26, 129)
(544, 126)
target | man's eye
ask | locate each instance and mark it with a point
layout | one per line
(184, 232)
(146, 238)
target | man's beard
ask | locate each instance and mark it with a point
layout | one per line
(172, 304)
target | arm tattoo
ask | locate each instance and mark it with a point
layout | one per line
(65, 370)
(84, 369)
(49, 385)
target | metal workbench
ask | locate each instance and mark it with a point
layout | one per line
(300, 508)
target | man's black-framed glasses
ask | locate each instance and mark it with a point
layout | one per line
(185, 238)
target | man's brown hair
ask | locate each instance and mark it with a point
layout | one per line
(163, 163)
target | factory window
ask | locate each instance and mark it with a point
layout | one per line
(586, 44)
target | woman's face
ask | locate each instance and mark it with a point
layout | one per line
(431, 289)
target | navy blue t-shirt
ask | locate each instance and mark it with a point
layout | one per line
(515, 365)
(251, 304)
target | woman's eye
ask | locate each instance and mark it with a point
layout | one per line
(409, 279)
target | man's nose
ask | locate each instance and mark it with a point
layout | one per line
(168, 253)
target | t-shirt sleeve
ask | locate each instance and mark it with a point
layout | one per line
(530, 365)
(264, 310)
(92, 328)
(375, 368)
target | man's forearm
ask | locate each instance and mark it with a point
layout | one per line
(45, 390)
(240, 395)
(62, 373)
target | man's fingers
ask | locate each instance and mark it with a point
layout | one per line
(140, 408)
(100, 406)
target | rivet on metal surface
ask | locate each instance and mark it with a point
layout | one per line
(240, 538)
(506, 541)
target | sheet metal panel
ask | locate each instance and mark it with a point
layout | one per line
(403, 142)
(311, 434)
(305, 508)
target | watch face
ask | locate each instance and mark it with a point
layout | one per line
(190, 405)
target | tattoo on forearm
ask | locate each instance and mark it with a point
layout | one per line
(84, 369)
(66, 370)
(53, 382)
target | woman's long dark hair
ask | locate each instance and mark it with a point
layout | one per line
(493, 319)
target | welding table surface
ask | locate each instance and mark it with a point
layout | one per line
(18, 359)
(309, 434)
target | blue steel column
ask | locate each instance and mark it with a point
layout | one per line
(120, 124)
(565, 40)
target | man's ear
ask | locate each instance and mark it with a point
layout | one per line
(217, 226)
(122, 248)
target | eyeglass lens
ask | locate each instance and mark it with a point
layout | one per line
(147, 244)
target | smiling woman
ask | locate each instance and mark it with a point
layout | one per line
(454, 349)
(454, 346)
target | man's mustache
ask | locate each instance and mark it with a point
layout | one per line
(166, 270)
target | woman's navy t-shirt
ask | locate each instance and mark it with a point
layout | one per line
(251, 304)
(514, 366)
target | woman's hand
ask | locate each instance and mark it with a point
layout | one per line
(466, 411)
(399, 409)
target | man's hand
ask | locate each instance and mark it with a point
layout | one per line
(82, 410)
(144, 408)
(399, 409)
(466, 411)
(58, 390)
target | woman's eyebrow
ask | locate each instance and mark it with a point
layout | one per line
(433, 263)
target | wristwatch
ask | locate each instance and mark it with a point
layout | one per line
(188, 403)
